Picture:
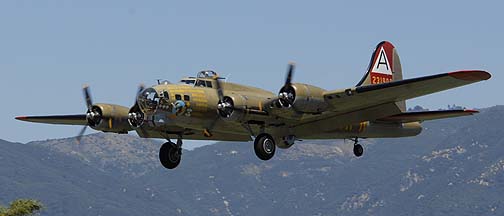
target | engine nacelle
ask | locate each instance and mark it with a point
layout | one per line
(233, 109)
(237, 107)
(112, 118)
(304, 98)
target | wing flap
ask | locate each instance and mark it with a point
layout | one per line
(427, 115)
(360, 97)
(56, 119)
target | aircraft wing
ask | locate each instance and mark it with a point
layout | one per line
(361, 97)
(426, 115)
(56, 119)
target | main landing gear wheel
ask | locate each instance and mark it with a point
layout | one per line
(264, 146)
(357, 148)
(170, 155)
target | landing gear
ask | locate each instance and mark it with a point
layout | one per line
(357, 148)
(264, 146)
(170, 154)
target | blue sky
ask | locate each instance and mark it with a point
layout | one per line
(49, 49)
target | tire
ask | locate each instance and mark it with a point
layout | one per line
(264, 146)
(169, 155)
(358, 150)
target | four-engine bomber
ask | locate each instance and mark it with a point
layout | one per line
(206, 107)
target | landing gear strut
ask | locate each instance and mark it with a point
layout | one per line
(170, 154)
(357, 148)
(264, 146)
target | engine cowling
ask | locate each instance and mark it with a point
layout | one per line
(109, 118)
(232, 107)
(303, 97)
(237, 107)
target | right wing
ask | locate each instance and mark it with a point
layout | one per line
(56, 119)
(361, 97)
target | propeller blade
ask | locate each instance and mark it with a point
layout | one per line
(81, 133)
(87, 97)
(136, 107)
(141, 87)
(290, 71)
(218, 86)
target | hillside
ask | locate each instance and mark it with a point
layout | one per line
(455, 167)
(67, 186)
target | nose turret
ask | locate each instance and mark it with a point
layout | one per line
(148, 100)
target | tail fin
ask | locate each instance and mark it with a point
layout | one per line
(385, 66)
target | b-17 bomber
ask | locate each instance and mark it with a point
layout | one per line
(207, 108)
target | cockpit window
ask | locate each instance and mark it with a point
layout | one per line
(201, 83)
(209, 84)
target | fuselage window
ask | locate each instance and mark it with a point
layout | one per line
(187, 98)
(209, 84)
(178, 97)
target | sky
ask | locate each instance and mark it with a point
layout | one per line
(49, 49)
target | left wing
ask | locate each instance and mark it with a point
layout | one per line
(79, 119)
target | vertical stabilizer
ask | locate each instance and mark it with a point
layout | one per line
(385, 66)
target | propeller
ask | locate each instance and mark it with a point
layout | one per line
(136, 117)
(218, 88)
(93, 114)
(287, 94)
(290, 71)
(141, 87)
(225, 106)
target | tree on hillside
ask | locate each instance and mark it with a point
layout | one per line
(21, 207)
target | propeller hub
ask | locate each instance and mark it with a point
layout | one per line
(287, 93)
(225, 107)
(136, 119)
(286, 96)
(94, 116)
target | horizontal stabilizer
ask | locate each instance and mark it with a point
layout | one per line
(427, 115)
(56, 119)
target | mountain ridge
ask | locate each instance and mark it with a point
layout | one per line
(455, 167)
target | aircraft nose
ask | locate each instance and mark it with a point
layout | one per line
(148, 100)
